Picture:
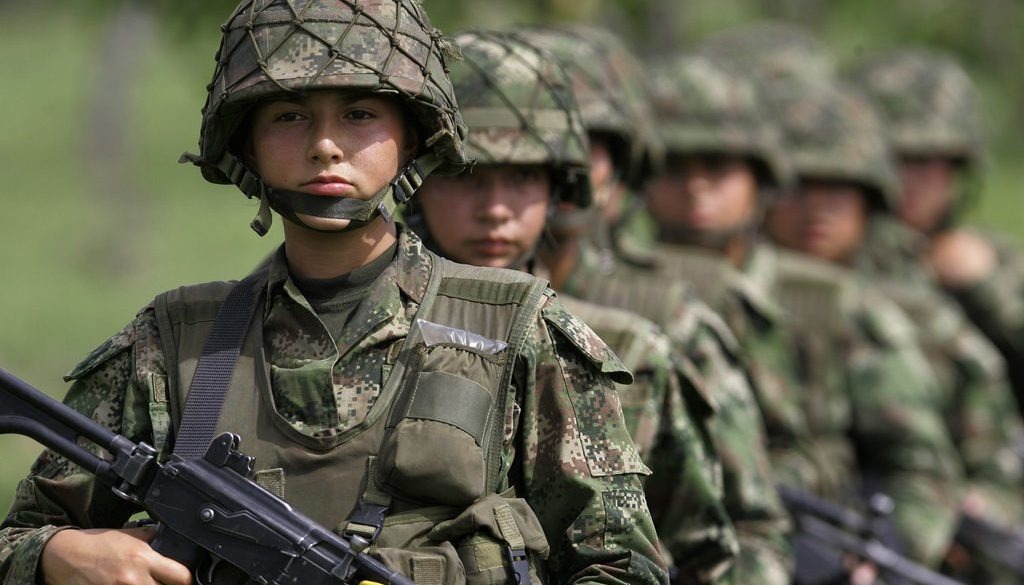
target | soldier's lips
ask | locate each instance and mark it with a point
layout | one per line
(493, 247)
(328, 186)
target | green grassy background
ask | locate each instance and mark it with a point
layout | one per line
(76, 266)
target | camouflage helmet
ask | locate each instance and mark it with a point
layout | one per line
(279, 47)
(610, 90)
(928, 102)
(777, 55)
(704, 107)
(518, 103)
(832, 132)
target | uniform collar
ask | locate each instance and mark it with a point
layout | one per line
(412, 263)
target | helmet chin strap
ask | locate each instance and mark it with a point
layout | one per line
(290, 204)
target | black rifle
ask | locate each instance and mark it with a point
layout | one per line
(1003, 546)
(208, 511)
(848, 532)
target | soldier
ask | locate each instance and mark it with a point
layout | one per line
(332, 114)
(841, 401)
(847, 179)
(933, 123)
(522, 171)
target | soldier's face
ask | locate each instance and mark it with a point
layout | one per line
(928, 185)
(825, 219)
(608, 188)
(330, 143)
(492, 216)
(710, 193)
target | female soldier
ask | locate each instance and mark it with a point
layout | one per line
(361, 347)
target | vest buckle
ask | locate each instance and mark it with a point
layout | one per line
(520, 565)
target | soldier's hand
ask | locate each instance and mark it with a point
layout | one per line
(961, 258)
(108, 557)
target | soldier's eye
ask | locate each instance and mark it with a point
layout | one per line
(289, 117)
(359, 115)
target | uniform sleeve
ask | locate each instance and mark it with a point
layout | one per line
(580, 469)
(738, 433)
(57, 493)
(985, 428)
(684, 491)
(903, 444)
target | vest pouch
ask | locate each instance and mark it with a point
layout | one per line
(405, 545)
(434, 454)
(489, 533)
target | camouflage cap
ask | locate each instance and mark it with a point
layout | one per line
(832, 132)
(928, 102)
(704, 107)
(518, 103)
(611, 92)
(280, 47)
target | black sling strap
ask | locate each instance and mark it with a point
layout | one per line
(215, 369)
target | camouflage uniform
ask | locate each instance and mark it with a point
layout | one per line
(930, 109)
(669, 418)
(564, 448)
(501, 77)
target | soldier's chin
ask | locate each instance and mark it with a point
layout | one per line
(323, 224)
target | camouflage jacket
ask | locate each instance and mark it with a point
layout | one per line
(870, 396)
(737, 430)
(975, 396)
(572, 459)
(668, 419)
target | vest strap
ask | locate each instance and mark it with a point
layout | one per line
(216, 367)
(367, 517)
(515, 544)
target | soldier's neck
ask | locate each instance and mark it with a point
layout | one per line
(559, 260)
(315, 255)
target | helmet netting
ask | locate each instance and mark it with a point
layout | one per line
(520, 109)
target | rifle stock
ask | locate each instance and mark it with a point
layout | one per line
(207, 509)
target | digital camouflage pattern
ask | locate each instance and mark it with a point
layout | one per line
(519, 106)
(737, 429)
(668, 419)
(591, 505)
(832, 132)
(275, 47)
(701, 106)
(870, 397)
(929, 104)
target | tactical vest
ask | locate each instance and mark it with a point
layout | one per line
(816, 299)
(431, 445)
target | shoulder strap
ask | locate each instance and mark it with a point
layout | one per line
(213, 373)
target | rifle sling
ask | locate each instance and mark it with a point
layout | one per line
(213, 373)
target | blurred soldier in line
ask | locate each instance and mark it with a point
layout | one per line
(856, 413)
(934, 125)
(496, 215)
(614, 100)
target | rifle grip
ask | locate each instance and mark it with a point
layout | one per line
(175, 546)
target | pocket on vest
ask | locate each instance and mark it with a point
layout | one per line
(435, 452)
(426, 565)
